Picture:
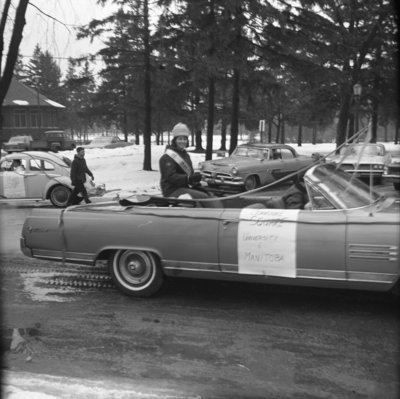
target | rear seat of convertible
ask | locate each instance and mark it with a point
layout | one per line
(273, 202)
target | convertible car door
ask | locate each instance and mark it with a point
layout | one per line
(373, 247)
(183, 238)
(283, 243)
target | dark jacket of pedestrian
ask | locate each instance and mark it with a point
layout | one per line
(79, 170)
(78, 173)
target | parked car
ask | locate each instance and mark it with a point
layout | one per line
(253, 165)
(107, 142)
(347, 238)
(17, 144)
(41, 175)
(364, 160)
(54, 140)
(391, 171)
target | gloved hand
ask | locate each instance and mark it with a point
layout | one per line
(194, 178)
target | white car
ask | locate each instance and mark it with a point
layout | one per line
(392, 170)
(107, 142)
(364, 160)
(40, 175)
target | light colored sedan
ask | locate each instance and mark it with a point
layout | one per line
(39, 175)
(107, 142)
(253, 165)
(392, 170)
(363, 160)
(17, 143)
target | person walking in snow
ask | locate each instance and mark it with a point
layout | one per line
(79, 169)
(177, 174)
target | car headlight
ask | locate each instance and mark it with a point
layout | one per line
(234, 171)
(378, 166)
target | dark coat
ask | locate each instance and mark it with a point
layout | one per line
(296, 196)
(172, 175)
(78, 171)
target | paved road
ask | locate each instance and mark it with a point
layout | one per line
(196, 339)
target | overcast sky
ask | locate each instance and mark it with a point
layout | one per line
(51, 35)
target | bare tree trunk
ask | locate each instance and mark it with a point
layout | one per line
(3, 22)
(300, 135)
(269, 131)
(343, 119)
(147, 88)
(223, 134)
(278, 129)
(282, 130)
(210, 118)
(5, 79)
(235, 111)
(374, 121)
(236, 81)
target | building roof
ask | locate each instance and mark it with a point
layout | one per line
(21, 95)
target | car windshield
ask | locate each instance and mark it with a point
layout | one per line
(251, 152)
(341, 188)
(364, 149)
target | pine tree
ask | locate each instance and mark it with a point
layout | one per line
(45, 75)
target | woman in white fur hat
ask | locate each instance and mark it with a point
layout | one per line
(176, 168)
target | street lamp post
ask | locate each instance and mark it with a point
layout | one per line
(357, 94)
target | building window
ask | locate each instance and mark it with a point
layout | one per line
(20, 118)
(35, 119)
(50, 119)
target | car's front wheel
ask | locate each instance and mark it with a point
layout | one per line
(250, 183)
(136, 273)
(59, 196)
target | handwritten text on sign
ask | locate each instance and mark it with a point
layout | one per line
(267, 242)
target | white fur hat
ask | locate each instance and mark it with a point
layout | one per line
(180, 129)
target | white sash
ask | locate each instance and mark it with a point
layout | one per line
(180, 161)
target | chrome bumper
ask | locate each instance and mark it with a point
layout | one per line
(224, 182)
(25, 250)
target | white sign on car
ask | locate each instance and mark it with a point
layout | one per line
(267, 242)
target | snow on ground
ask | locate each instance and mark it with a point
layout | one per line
(121, 169)
(29, 385)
